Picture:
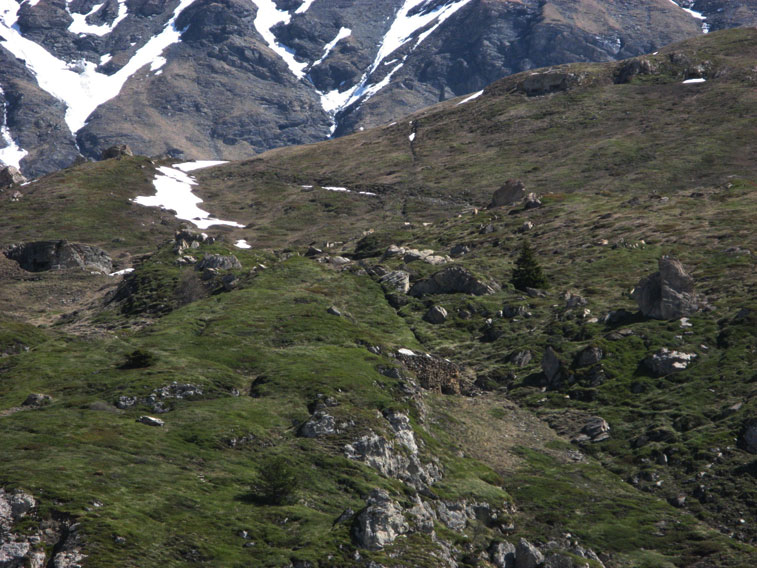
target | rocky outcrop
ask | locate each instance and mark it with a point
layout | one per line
(380, 523)
(668, 293)
(527, 555)
(321, 423)
(219, 262)
(397, 280)
(116, 151)
(665, 362)
(41, 256)
(158, 399)
(452, 280)
(434, 373)
(10, 175)
(512, 192)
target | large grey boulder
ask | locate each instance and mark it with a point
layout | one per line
(380, 523)
(554, 368)
(436, 315)
(116, 151)
(452, 280)
(219, 262)
(527, 555)
(10, 175)
(668, 293)
(510, 193)
(40, 256)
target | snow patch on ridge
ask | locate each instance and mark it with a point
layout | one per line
(12, 154)
(78, 84)
(304, 7)
(268, 17)
(343, 33)
(80, 25)
(173, 187)
(470, 98)
(409, 19)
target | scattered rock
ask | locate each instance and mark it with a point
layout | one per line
(313, 251)
(436, 315)
(509, 311)
(219, 262)
(596, 429)
(150, 421)
(117, 151)
(665, 362)
(37, 400)
(459, 250)
(590, 355)
(320, 424)
(573, 300)
(668, 293)
(486, 229)
(520, 358)
(513, 191)
(532, 201)
(10, 175)
(339, 260)
(41, 256)
(525, 227)
(334, 311)
(380, 523)
(452, 280)
(398, 280)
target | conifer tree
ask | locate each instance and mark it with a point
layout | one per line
(527, 272)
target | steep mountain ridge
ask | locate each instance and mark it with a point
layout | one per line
(231, 78)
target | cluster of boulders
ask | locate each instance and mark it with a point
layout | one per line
(157, 400)
(41, 256)
(186, 240)
(512, 192)
(409, 255)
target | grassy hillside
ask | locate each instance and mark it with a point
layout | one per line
(630, 164)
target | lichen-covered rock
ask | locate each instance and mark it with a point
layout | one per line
(502, 554)
(665, 362)
(320, 424)
(398, 280)
(219, 262)
(380, 523)
(668, 293)
(527, 555)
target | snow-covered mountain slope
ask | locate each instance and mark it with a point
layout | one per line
(228, 78)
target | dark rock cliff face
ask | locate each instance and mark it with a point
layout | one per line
(225, 92)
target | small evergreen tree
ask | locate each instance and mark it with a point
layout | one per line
(527, 272)
(278, 481)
